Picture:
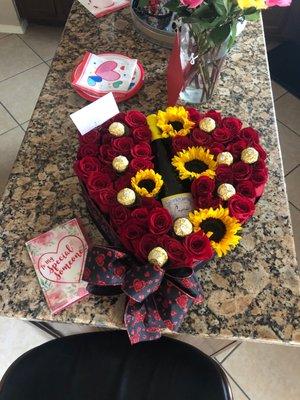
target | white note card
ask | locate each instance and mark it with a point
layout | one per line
(95, 114)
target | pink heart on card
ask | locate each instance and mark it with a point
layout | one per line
(106, 71)
(65, 265)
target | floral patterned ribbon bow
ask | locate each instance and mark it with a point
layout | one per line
(157, 298)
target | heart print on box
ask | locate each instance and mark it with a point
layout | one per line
(105, 73)
(59, 257)
(99, 8)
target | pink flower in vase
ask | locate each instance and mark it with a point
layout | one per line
(279, 3)
(192, 3)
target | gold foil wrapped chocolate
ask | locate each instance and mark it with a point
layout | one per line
(126, 197)
(116, 129)
(249, 155)
(225, 191)
(183, 227)
(207, 124)
(158, 256)
(120, 163)
(225, 158)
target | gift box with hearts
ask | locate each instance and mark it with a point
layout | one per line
(168, 192)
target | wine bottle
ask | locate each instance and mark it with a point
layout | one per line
(174, 195)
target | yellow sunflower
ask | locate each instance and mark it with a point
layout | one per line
(174, 121)
(194, 162)
(146, 182)
(156, 133)
(219, 227)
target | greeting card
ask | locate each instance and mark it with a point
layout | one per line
(108, 72)
(59, 257)
(99, 8)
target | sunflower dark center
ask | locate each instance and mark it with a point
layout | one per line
(177, 125)
(148, 184)
(216, 226)
(197, 166)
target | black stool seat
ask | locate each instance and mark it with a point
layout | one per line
(104, 366)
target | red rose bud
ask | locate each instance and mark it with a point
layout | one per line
(86, 166)
(201, 138)
(177, 253)
(215, 115)
(97, 181)
(141, 134)
(135, 118)
(92, 137)
(233, 124)
(246, 189)
(202, 187)
(160, 221)
(250, 135)
(199, 246)
(194, 114)
(141, 215)
(142, 150)
(223, 135)
(87, 150)
(119, 215)
(105, 198)
(240, 207)
(241, 171)
(107, 153)
(140, 163)
(180, 143)
(236, 148)
(123, 145)
(224, 174)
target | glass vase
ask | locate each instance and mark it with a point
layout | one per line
(201, 69)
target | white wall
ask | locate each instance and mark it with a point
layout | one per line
(10, 21)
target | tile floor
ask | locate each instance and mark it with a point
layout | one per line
(256, 371)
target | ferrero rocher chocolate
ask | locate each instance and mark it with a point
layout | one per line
(126, 197)
(249, 155)
(207, 124)
(225, 158)
(225, 191)
(116, 129)
(183, 227)
(120, 163)
(158, 256)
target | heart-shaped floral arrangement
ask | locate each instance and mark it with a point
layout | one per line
(175, 188)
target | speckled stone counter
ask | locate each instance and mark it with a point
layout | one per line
(250, 294)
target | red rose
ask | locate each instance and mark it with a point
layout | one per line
(241, 208)
(259, 165)
(147, 242)
(261, 151)
(135, 118)
(92, 137)
(215, 115)
(107, 138)
(199, 246)
(160, 221)
(142, 150)
(118, 215)
(131, 231)
(201, 138)
(123, 181)
(140, 163)
(207, 202)
(119, 117)
(178, 255)
(141, 134)
(250, 135)
(246, 189)
(150, 203)
(84, 167)
(141, 214)
(107, 153)
(138, 285)
(233, 124)
(216, 149)
(241, 171)
(223, 135)
(180, 142)
(194, 114)
(123, 145)
(236, 148)
(259, 177)
(182, 301)
(105, 198)
(224, 174)
(97, 181)
(202, 187)
(87, 150)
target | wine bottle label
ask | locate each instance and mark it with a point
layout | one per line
(179, 205)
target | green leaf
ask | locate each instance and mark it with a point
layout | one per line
(143, 3)
(219, 34)
(172, 5)
(220, 7)
(232, 34)
(253, 17)
(250, 10)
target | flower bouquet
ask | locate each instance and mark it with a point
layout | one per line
(168, 192)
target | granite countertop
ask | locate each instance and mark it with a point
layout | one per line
(250, 294)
